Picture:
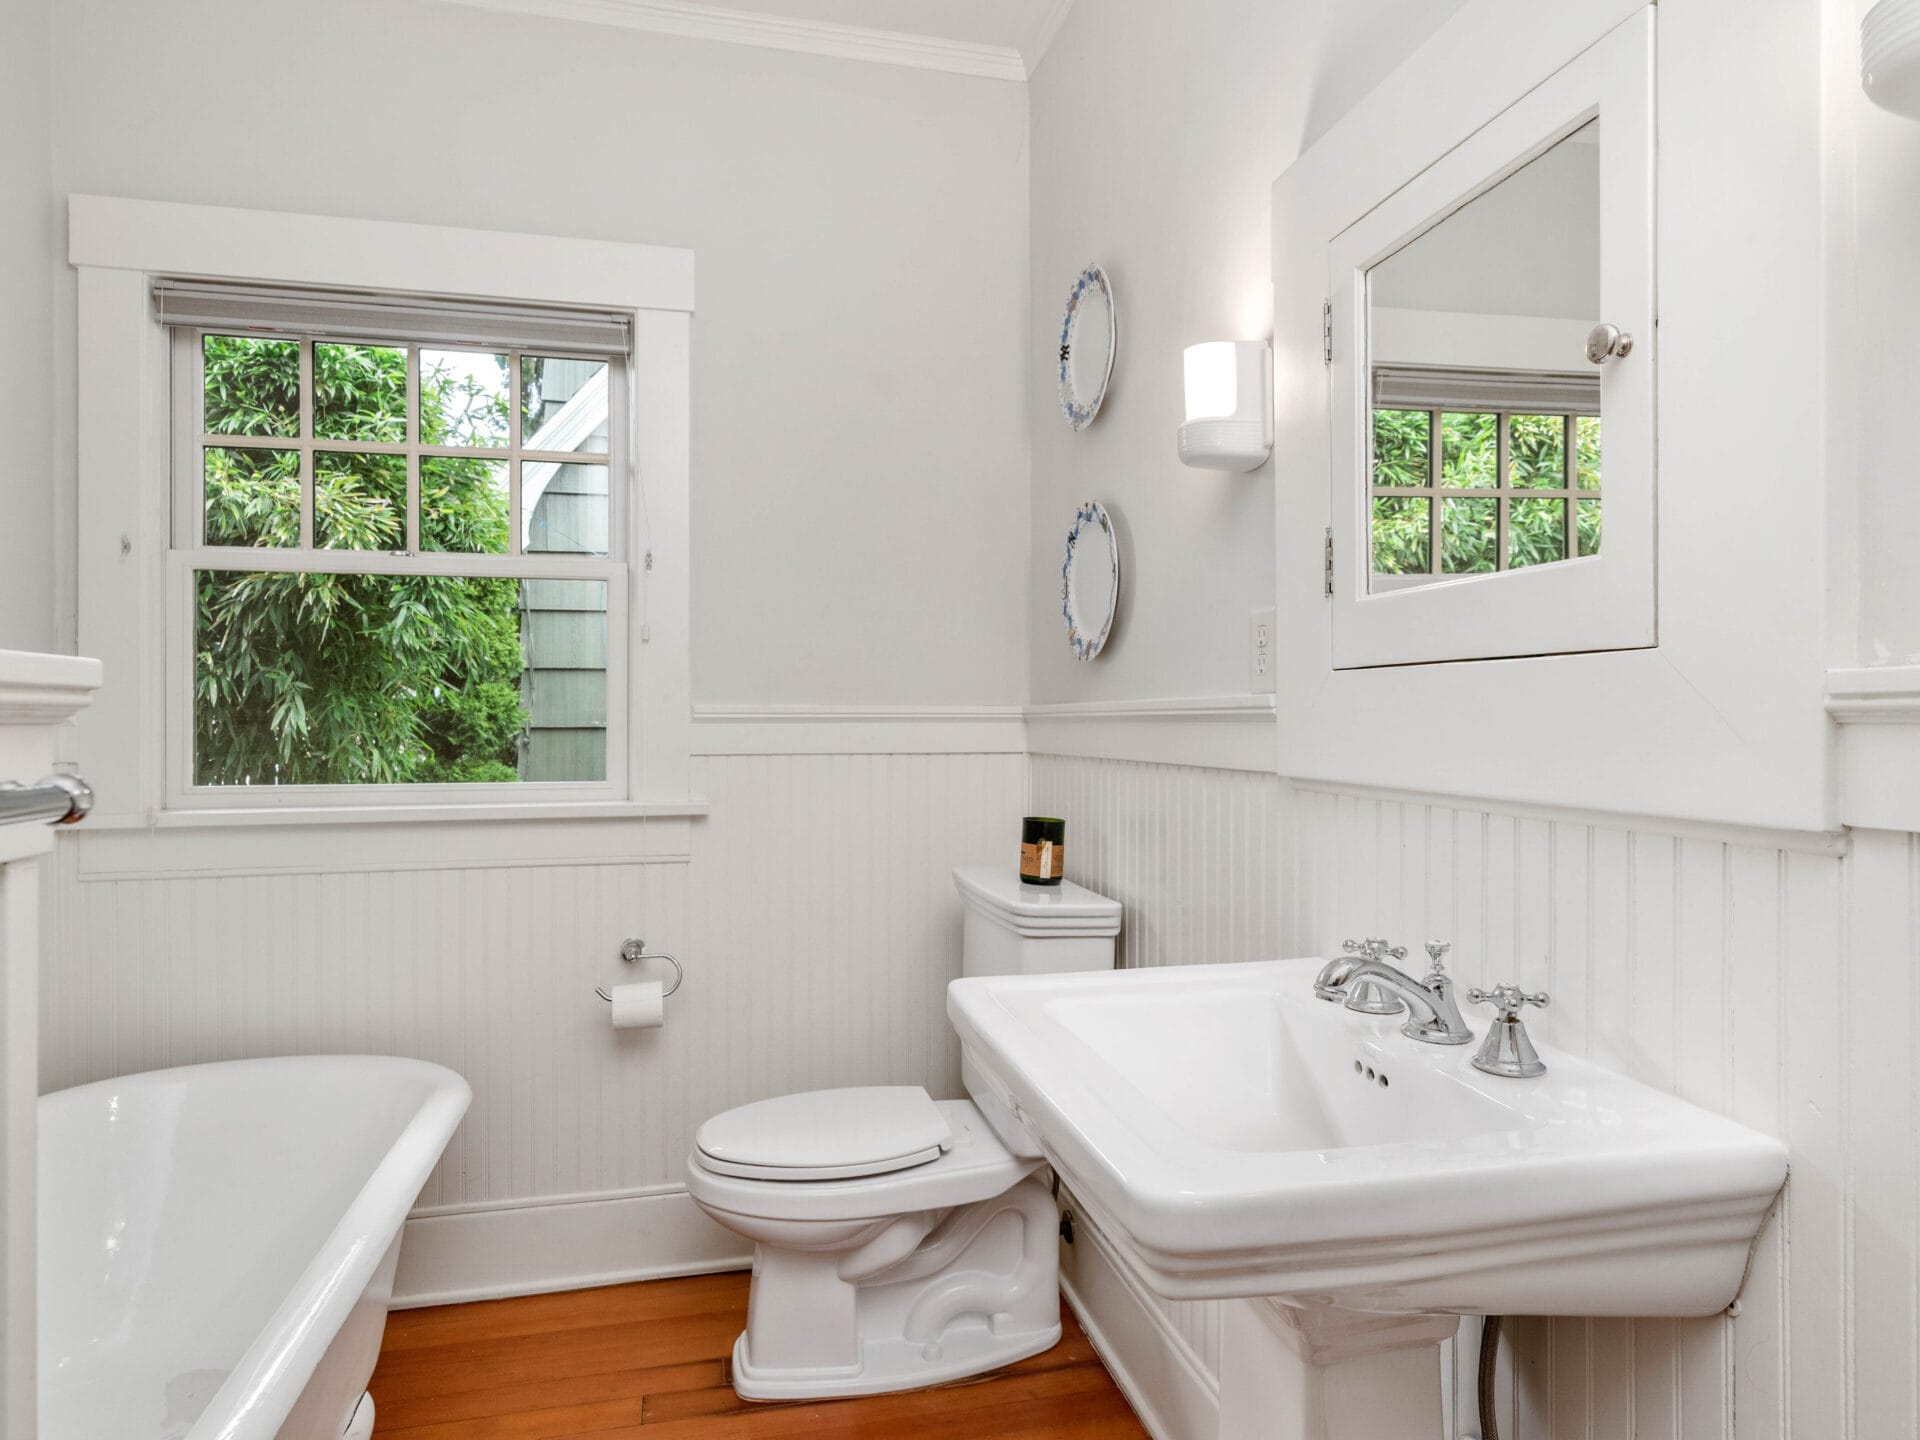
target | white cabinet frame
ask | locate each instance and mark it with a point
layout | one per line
(1602, 602)
(1722, 720)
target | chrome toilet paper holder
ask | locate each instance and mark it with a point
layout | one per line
(633, 952)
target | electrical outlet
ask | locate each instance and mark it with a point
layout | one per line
(1260, 651)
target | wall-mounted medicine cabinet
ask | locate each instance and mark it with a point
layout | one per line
(1491, 356)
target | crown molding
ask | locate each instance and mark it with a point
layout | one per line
(769, 32)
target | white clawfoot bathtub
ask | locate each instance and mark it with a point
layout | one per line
(217, 1243)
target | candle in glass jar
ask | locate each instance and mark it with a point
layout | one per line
(1042, 850)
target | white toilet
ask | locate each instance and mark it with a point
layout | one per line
(897, 1242)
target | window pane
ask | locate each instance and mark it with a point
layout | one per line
(316, 679)
(463, 505)
(1470, 451)
(563, 404)
(1469, 536)
(563, 509)
(463, 398)
(565, 685)
(360, 502)
(1587, 451)
(1537, 452)
(252, 496)
(1536, 532)
(1400, 539)
(252, 387)
(1587, 524)
(1402, 440)
(359, 392)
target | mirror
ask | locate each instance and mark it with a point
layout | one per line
(1089, 338)
(1484, 451)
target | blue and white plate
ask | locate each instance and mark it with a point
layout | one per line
(1090, 580)
(1089, 338)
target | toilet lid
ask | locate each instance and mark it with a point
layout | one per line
(826, 1134)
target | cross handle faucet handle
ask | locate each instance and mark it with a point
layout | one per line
(1508, 999)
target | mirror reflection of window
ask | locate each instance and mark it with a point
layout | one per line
(1485, 440)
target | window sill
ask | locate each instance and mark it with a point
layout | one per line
(307, 815)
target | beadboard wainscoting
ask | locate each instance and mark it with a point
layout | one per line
(1773, 977)
(1772, 982)
(815, 916)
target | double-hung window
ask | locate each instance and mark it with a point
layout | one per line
(400, 547)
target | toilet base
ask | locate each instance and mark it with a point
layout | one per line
(890, 1365)
(921, 1299)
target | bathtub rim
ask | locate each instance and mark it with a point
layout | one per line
(270, 1375)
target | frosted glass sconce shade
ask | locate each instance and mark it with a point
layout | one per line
(1229, 405)
(1890, 56)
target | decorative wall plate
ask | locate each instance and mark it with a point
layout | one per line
(1090, 580)
(1089, 338)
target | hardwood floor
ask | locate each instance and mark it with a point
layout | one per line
(649, 1361)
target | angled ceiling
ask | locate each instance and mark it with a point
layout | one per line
(997, 39)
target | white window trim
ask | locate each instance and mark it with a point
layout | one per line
(125, 426)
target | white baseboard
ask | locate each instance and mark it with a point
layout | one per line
(569, 1242)
(1152, 1363)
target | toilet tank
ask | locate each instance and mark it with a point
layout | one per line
(1018, 929)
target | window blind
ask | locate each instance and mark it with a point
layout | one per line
(369, 315)
(1527, 392)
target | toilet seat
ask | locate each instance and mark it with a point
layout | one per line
(976, 1166)
(844, 1134)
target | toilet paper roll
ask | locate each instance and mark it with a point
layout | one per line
(639, 1006)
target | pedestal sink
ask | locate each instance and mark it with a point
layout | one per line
(1235, 1137)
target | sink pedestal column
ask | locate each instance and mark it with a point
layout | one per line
(1292, 1374)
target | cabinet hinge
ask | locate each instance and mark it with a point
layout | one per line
(1329, 563)
(1326, 332)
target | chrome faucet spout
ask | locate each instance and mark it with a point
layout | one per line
(1434, 1015)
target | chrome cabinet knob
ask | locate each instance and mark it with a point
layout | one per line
(1508, 1049)
(1608, 342)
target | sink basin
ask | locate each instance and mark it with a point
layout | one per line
(1238, 1137)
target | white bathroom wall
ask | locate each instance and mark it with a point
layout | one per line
(1157, 133)
(31, 537)
(817, 922)
(1768, 975)
(860, 241)
(859, 544)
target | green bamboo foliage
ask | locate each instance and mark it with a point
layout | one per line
(338, 679)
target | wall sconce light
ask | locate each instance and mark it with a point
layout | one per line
(1229, 405)
(1890, 56)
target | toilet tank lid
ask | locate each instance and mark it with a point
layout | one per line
(1036, 910)
(820, 1134)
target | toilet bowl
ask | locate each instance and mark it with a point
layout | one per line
(897, 1242)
